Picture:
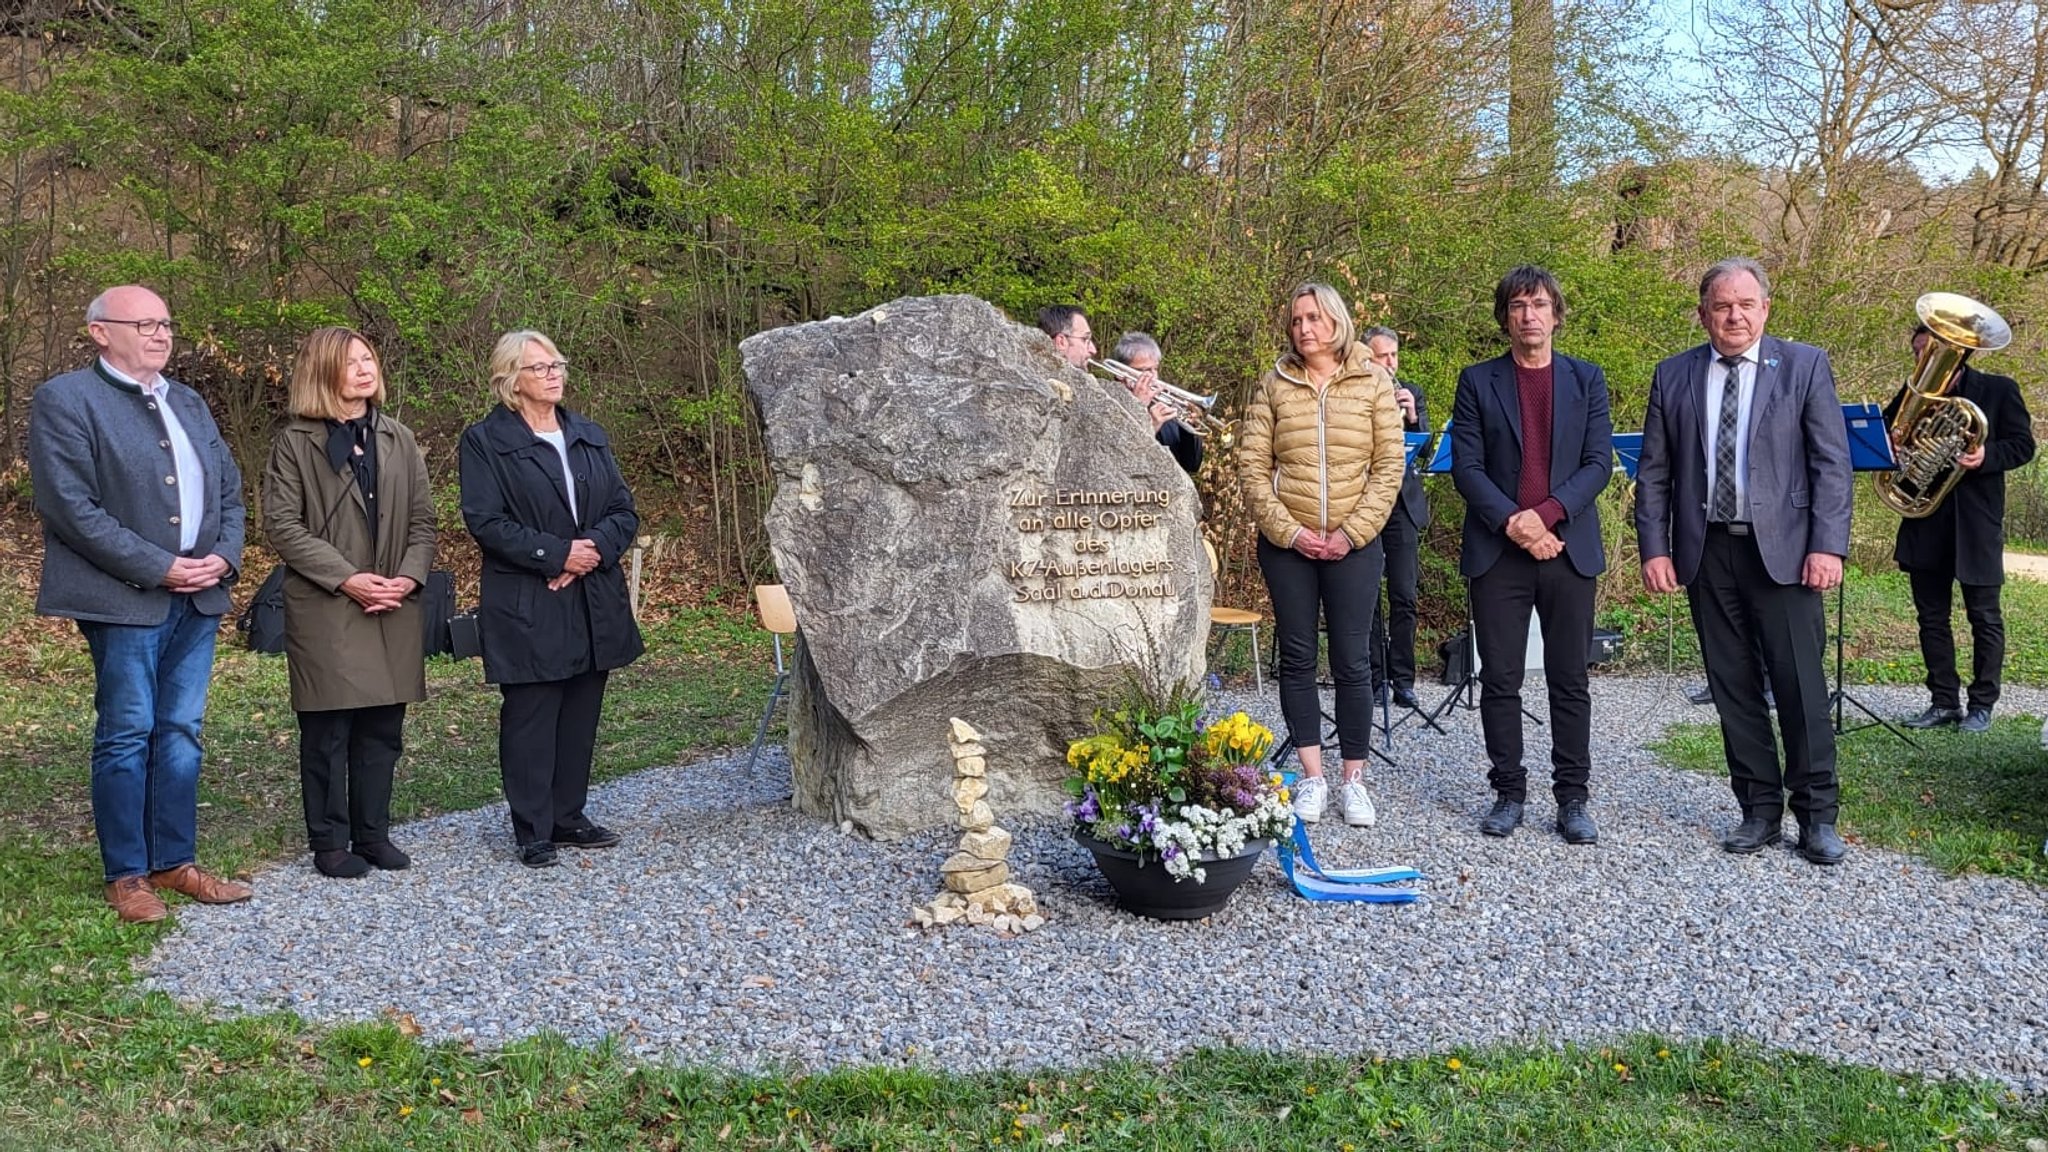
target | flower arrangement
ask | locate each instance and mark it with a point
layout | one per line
(1163, 780)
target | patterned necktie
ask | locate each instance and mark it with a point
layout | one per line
(1724, 440)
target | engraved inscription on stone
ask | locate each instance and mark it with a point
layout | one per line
(1107, 545)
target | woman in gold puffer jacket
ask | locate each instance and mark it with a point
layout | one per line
(1320, 458)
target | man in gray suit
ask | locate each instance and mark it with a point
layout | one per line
(142, 533)
(1743, 498)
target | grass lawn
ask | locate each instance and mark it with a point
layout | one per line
(89, 1062)
(1968, 803)
(1883, 639)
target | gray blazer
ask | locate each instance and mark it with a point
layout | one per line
(1799, 478)
(97, 456)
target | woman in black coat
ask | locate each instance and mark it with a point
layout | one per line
(544, 498)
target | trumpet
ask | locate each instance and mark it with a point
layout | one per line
(1195, 413)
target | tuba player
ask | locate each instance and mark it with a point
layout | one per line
(1962, 542)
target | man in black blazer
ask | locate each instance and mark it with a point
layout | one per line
(1393, 652)
(1963, 542)
(1531, 449)
(1743, 497)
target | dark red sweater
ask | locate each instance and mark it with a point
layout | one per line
(1534, 388)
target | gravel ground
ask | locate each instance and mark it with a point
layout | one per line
(691, 944)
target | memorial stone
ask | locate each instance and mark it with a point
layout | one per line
(965, 524)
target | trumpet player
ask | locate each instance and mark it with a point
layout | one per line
(1962, 542)
(1393, 631)
(1141, 353)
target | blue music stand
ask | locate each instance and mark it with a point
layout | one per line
(1628, 452)
(1870, 442)
(1416, 442)
(1870, 450)
(1440, 460)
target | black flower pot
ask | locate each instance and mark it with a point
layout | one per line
(1144, 886)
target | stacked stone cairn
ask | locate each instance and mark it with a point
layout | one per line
(978, 891)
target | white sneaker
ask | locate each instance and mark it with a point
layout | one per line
(1311, 796)
(1355, 804)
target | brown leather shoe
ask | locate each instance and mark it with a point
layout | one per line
(201, 885)
(134, 902)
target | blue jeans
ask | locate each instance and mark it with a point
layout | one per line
(150, 696)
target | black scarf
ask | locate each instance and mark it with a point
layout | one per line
(352, 446)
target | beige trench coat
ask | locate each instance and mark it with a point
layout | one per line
(339, 655)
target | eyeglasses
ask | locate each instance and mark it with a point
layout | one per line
(550, 368)
(144, 327)
(1087, 338)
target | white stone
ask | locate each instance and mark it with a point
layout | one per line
(990, 844)
(968, 791)
(970, 766)
(987, 876)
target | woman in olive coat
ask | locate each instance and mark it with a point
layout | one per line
(551, 514)
(347, 509)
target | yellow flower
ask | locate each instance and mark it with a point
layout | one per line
(404, 1110)
(1454, 1064)
(365, 1062)
(1663, 1053)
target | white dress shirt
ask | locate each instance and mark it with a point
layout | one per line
(191, 475)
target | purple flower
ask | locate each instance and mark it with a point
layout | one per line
(1170, 852)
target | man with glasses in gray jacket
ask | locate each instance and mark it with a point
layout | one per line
(141, 506)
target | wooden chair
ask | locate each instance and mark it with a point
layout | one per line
(1226, 620)
(772, 600)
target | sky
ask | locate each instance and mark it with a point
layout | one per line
(1687, 30)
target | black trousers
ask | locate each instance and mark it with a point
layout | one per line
(1342, 593)
(1736, 604)
(1933, 601)
(1393, 630)
(1563, 600)
(346, 758)
(546, 735)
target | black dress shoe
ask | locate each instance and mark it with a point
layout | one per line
(1575, 824)
(1820, 845)
(539, 854)
(1753, 835)
(1405, 698)
(1934, 717)
(1699, 694)
(1976, 720)
(1504, 819)
(340, 864)
(594, 836)
(384, 854)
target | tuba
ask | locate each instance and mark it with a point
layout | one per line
(1931, 429)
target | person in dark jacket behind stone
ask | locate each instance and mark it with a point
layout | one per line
(347, 508)
(543, 497)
